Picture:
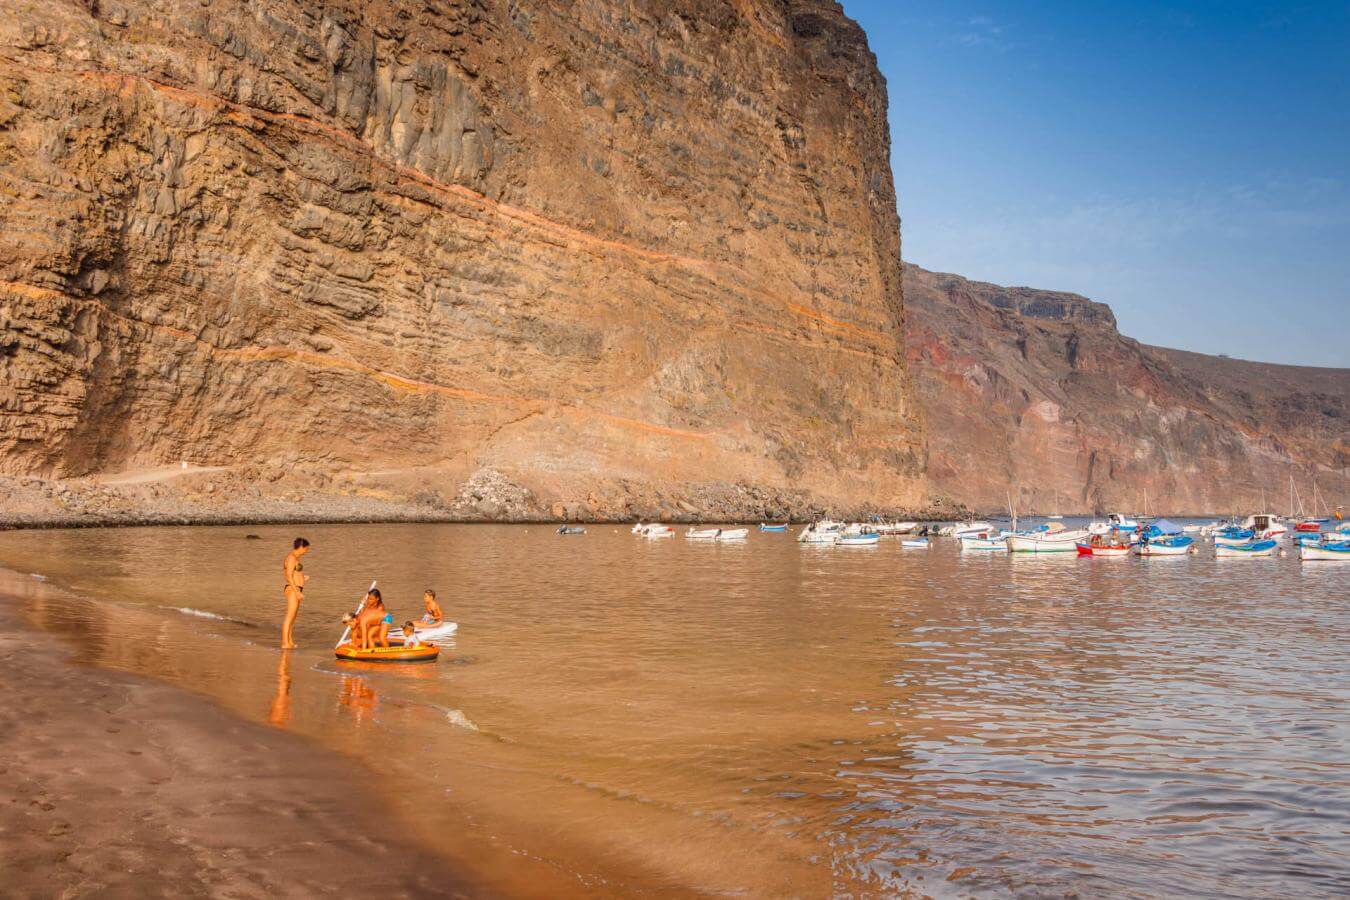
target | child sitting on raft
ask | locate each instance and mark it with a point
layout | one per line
(433, 614)
(410, 634)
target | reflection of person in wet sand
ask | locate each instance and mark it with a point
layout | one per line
(357, 695)
(294, 572)
(280, 713)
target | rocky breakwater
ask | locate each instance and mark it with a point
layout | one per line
(630, 258)
(1037, 391)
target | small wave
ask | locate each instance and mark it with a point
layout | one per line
(203, 614)
(456, 717)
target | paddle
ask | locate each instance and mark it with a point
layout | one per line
(348, 630)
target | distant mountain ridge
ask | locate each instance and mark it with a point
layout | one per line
(1039, 391)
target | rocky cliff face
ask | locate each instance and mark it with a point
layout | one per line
(630, 257)
(1038, 392)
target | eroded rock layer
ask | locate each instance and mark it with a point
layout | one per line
(1036, 393)
(604, 250)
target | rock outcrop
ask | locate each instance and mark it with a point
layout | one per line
(1037, 392)
(626, 257)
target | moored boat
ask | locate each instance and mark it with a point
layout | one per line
(1178, 545)
(1099, 547)
(858, 539)
(1249, 550)
(767, 527)
(916, 544)
(1323, 550)
(960, 529)
(1045, 541)
(706, 534)
(823, 532)
(732, 534)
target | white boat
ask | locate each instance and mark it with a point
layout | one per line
(1265, 525)
(823, 532)
(430, 634)
(653, 530)
(707, 534)
(858, 540)
(916, 544)
(894, 527)
(961, 529)
(733, 534)
(984, 541)
(1338, 550)
(1046, 541)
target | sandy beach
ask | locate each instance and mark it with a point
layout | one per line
(117, 786)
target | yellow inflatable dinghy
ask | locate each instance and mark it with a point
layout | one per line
(395, 653)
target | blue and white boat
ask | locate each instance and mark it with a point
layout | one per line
(766, 527)
(1172, 545)
(861, 539)
(1248, 550)
(1333, 549)
(1232, 536)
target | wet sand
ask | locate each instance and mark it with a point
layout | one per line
(119, 786)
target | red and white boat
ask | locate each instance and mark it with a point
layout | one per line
(1099, 547)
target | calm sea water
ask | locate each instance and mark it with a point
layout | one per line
(621, 715)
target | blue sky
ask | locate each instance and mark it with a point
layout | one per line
(1187, 163)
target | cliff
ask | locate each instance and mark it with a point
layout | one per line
(1038, 392)
(606, 258)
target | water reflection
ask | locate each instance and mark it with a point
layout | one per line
(279, 714)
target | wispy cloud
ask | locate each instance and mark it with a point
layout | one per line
(980, 31)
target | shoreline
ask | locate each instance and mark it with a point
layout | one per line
(217, 496)
(122, 784)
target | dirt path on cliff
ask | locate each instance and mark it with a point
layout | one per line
(162, 473)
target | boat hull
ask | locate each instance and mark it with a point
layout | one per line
(1061, 542)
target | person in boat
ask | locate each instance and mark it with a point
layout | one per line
(372, 622)
(432, 615)
(294, 590)
(410, 633)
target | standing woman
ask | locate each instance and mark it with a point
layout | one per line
(294, 571)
